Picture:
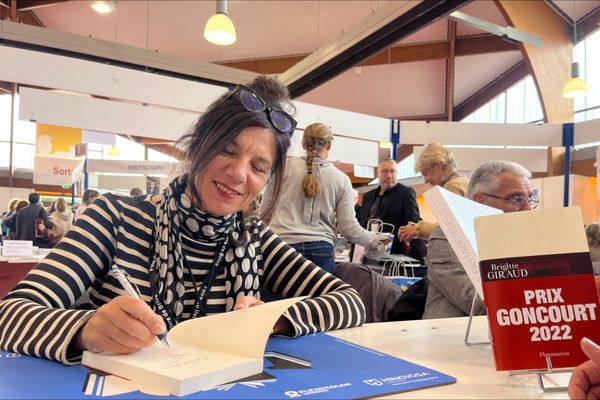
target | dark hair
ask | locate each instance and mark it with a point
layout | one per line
(34, 198)
(89, 195)
(224, 120)
(136, 191)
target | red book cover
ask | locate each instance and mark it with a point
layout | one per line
(538, 287)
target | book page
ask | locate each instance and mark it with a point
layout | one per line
(456, 214)
(180, 362)
(244, 332)
(527, 233)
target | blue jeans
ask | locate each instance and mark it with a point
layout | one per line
(320, 253)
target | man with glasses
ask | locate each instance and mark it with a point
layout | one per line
(499, 184)
(395, 204)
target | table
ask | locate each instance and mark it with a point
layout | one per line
(435, 344)
(12, 270)
(438, 344)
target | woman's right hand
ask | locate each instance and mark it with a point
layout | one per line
(123, 325)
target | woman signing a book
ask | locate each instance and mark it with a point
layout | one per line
(189, 250)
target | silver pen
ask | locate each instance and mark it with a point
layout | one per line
(132, 290)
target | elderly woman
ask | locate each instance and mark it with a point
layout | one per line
(437, 165)
(188, 249)
(317, 199)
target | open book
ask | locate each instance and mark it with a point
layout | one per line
(456, 214)
(539, 287)
(204, 352)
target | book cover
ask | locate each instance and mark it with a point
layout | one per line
(204, 351)
(539, 287)
(456, 214)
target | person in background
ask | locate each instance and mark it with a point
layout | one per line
(61, 218)
(136, 192)
(585, 380)
(12, 220)
(393, 203)
(592, 232)
(499, 184)
(438, 166)
(27, 217)
(89, 195)
(316, 198)
(189, 250)
(8, 217)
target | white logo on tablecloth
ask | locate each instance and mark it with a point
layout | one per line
(373, 382)
(315, 390)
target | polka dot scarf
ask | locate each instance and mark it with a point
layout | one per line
(176, 215)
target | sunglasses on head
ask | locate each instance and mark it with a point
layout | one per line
(279, 119)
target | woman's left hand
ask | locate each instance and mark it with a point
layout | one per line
(246, 302)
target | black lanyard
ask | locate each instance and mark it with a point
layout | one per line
(201, 291)
(204, 289)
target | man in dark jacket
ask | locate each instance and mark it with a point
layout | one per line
(395, 204)
(26, 221)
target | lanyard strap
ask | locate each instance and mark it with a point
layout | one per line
(201, 292)
(204, 289)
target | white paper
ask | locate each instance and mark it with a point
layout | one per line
(456, 214)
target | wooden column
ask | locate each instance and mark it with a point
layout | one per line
(13, 10)
(550, 65)
(450, 69)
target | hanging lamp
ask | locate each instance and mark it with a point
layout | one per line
(575, 87)
(219, 28)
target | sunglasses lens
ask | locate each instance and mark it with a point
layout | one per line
(282, 122)
(251, 101)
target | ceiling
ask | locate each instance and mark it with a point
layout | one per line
(273, 35)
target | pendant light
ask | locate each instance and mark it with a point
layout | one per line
(219, 28)
(575, 87)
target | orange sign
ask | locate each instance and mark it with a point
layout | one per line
(57, 140)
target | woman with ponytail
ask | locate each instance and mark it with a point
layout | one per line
(316, 200)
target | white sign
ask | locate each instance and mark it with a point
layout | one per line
(17, 248)
(364, 171)
(90, 136)
(54, 170)
(131, 167)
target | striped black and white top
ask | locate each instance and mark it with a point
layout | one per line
(40, 316)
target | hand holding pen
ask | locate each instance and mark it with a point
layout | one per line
(133, 291)
(124, 325)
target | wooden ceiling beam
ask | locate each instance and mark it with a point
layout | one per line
(465, 46)
(482, 44)
(6, 87)
(266, 65)
(26, 5)
(404, 151)
(588, 24)
(550, 65)
(10, 11)
(491, 90)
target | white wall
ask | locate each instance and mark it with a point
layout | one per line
(8, 193)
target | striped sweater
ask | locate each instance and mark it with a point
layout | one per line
(40, 316)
